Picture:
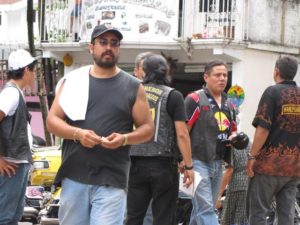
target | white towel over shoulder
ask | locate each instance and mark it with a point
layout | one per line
(75, 94)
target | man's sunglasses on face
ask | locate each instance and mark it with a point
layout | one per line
(105, 42)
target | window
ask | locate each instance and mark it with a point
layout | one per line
(206, 5)
(225, 6)
(215, 5)
(34, 16)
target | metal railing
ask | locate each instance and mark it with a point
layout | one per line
(215, 19)
(3, 69)
(64, 19)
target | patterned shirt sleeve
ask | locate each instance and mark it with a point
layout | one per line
(266, 107)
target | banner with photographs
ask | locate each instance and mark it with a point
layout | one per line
(138, 20)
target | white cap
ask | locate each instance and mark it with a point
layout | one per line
(19, 59)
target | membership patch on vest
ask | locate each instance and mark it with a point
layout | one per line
(205, 108)
(153, 95)
(153, 90)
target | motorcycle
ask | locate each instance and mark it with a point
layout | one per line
(49, 214)
(39, 198)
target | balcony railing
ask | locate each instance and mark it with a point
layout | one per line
(68, 21)
(215, 19)
(60, 20)
(216, 25)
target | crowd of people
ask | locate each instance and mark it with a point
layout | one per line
(126, 139)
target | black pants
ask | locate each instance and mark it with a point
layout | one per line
(152, 178)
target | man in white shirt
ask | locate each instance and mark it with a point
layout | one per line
(15, 137)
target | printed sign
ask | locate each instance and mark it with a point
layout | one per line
(155, 20)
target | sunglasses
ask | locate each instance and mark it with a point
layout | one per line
(105, 42)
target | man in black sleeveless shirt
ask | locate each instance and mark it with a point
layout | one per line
(94, 111)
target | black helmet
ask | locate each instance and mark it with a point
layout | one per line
(240, 141)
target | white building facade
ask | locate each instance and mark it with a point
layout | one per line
(248, 34)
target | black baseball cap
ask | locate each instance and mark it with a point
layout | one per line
(103, 28)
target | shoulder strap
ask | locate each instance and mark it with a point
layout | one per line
(21, 99)
(9, 84)
(230, 109)
(231, 113)
(203, 100)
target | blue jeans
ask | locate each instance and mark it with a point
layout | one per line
(12, 192)
(206, 195)
(91, 204)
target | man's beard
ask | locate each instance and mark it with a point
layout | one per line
(105, 64)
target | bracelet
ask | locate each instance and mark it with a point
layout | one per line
(188, 167)
(75, 134)
(251, 157)
(125, 140)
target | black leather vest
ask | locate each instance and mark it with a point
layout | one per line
(205, 132)
(13, 132)
(163, 141)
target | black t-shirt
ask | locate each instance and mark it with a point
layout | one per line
(175, 106)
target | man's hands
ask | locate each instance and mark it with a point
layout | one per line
(90, 139)
(115, 140)
(188, 178)
(87, 138)
(188, 175)
(219, 203)
(7, 168)
(249, 167)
